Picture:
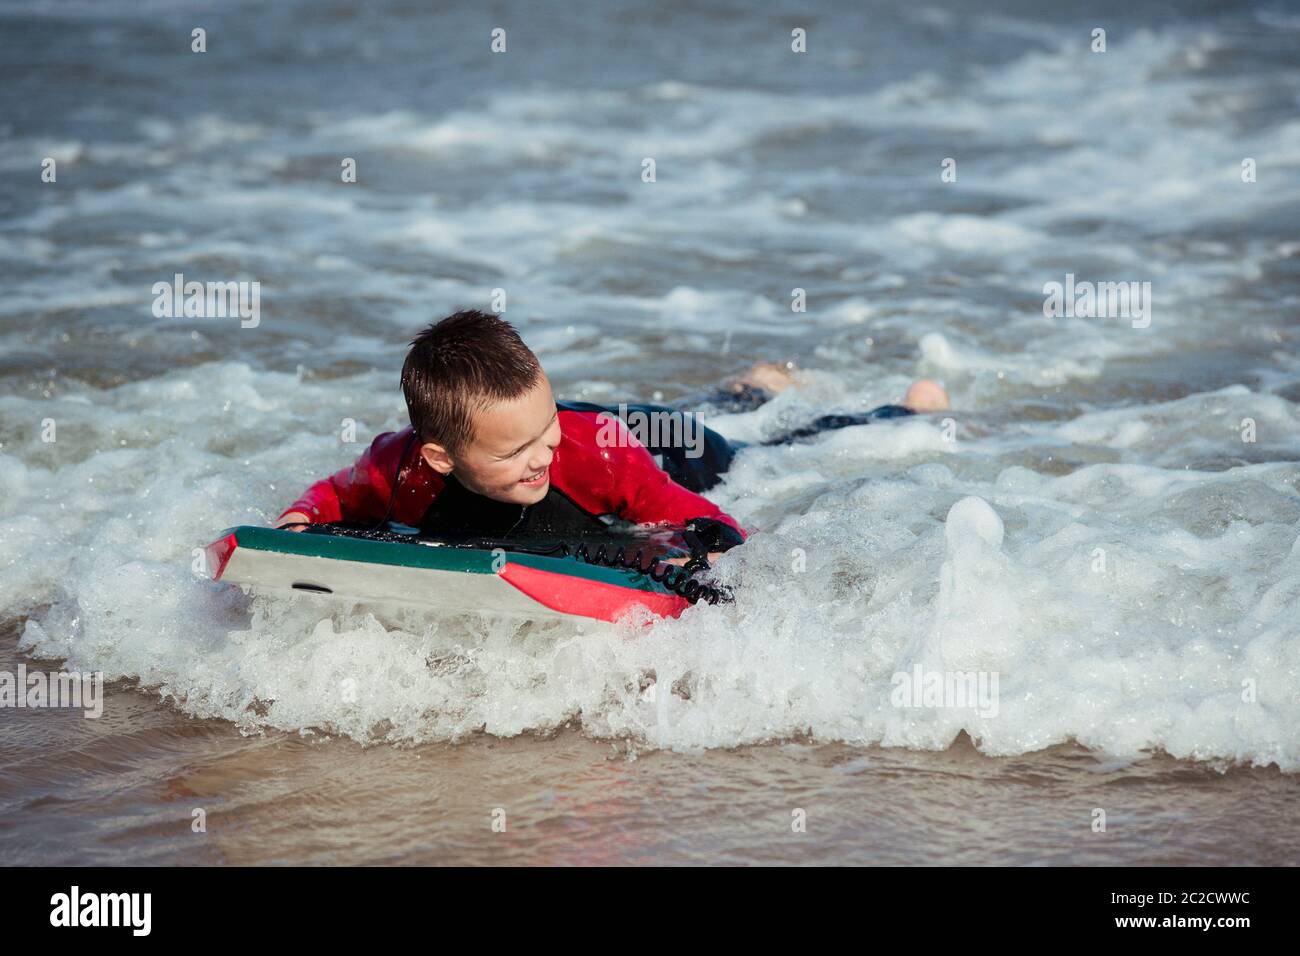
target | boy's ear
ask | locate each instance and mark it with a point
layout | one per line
(436, 457)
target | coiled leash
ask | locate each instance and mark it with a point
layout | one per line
(702, 536)
(679, 580)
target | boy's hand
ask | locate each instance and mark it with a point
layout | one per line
(713, 556)
(708, 533)
(294, 517)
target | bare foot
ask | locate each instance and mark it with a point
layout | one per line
(769, 376)
(926, 396)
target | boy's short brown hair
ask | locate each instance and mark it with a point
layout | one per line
(459, 364)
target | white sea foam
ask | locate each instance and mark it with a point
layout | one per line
(881, 569)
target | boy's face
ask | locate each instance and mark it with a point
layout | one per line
(510, 456)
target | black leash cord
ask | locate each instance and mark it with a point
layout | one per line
(680, 581)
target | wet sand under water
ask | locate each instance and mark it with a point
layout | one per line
(123, 790)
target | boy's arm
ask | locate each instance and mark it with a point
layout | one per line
(615, 473)
(360, 493)
(651, 496)
(648, 493)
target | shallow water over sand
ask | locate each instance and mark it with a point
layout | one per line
(128, 794)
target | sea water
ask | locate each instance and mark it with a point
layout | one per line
(1103, 528)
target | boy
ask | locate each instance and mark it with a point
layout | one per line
(490, 452)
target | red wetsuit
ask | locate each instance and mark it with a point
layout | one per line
(621, 480)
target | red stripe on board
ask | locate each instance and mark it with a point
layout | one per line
(587, 598)
(218, 555)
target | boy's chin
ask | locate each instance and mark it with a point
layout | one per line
(520, 495)
(530, 496)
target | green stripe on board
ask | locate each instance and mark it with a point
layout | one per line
(465, 560)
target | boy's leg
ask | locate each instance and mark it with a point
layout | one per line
(763, 382)
(923, 396)
(701, 466)
(831, 422)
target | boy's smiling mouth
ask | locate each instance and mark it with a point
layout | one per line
(535, 479)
